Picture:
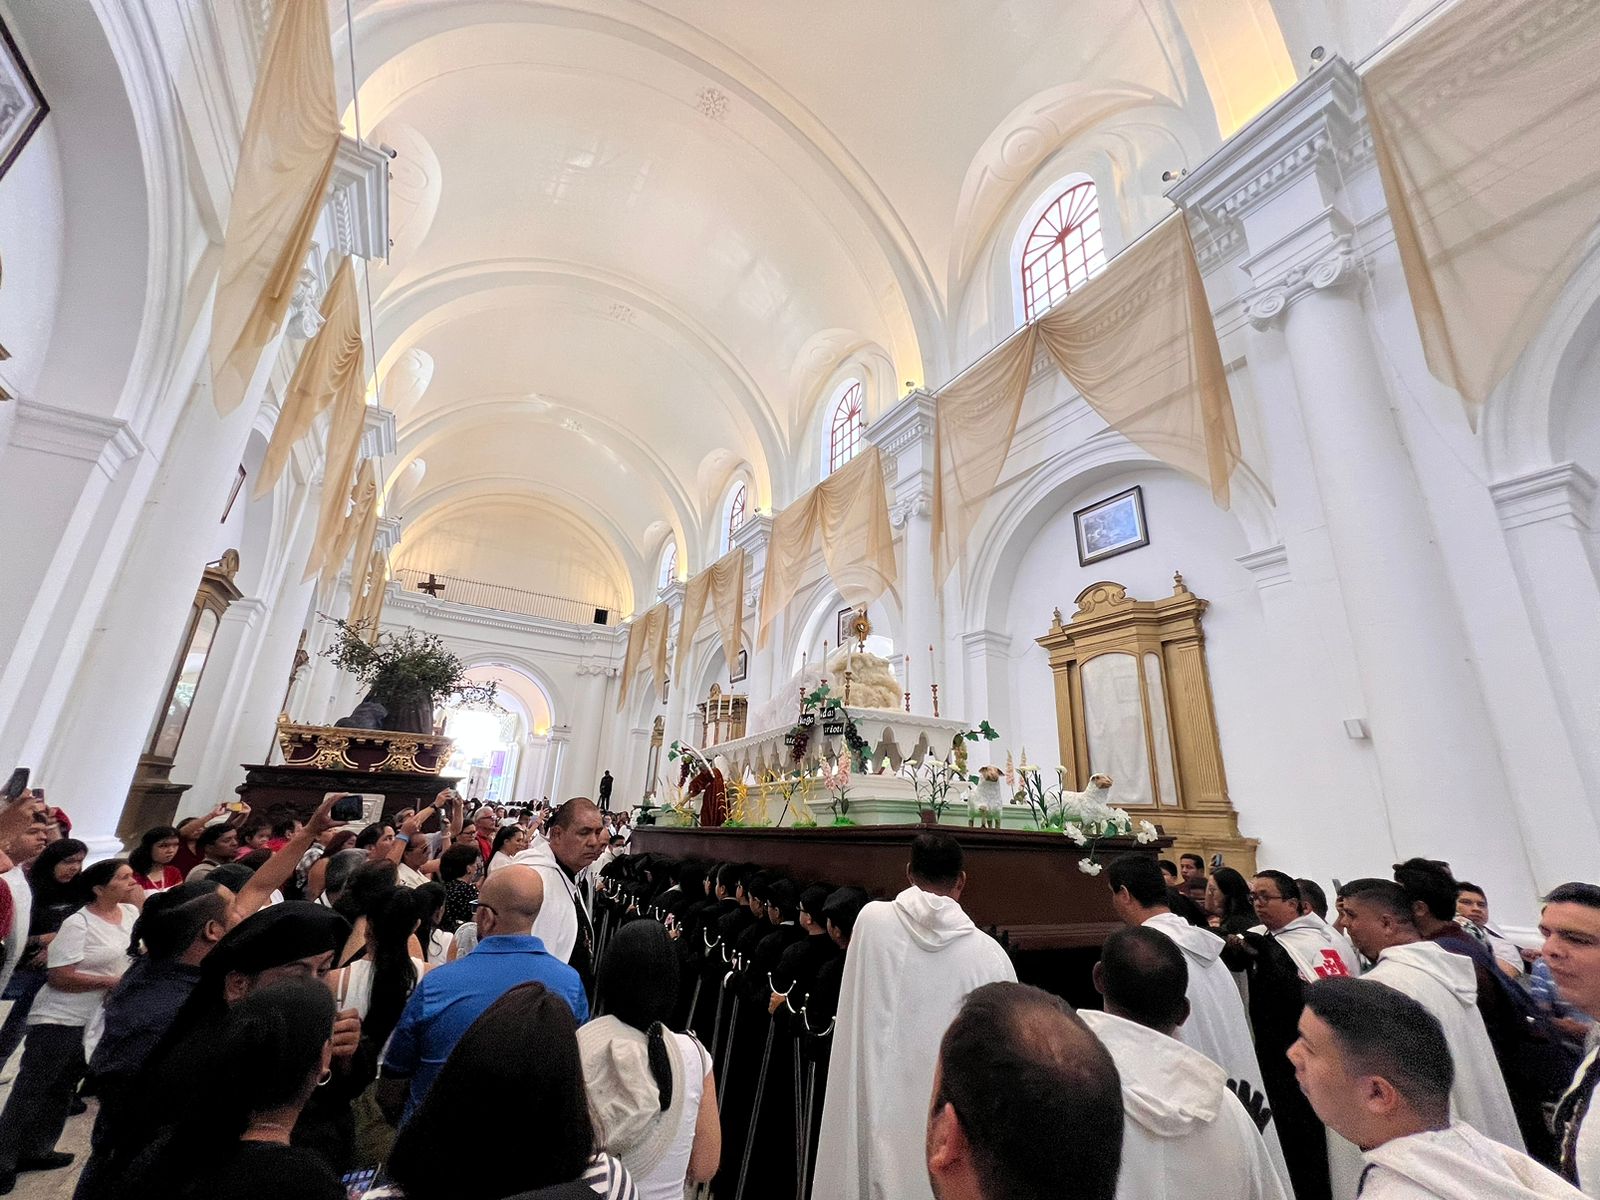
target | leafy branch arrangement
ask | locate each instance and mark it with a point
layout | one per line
(404, 663)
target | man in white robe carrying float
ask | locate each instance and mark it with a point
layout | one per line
(912, 961)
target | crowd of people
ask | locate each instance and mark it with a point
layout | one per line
(260, 1006)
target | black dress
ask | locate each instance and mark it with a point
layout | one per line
(267, 1171)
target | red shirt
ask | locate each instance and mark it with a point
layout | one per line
(169, 877)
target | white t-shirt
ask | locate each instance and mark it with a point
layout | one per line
(667, 1180)
(96, 947)
(409, 876)
(22, 915)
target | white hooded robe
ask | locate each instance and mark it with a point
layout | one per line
(1183, 1127)
(1446, 984)
(911, 962)
(1218, 1025)
(1458, 1163)
(557, 922)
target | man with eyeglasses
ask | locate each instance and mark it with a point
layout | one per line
(1280, 956)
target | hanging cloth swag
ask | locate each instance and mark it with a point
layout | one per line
(285, 160)
(1138, 343)
(354, 531)
(1486, 127)
(647, 646)
(849, 511)
(331, 372)
(722, 584)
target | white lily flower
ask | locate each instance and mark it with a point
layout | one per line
(1076, 835)
(1089, 866)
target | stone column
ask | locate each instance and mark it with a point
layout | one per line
(987, 690)
(1546, 517)
(905, 435)
(1430, 728)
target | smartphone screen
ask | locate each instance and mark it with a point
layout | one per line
(356, 1183)
(17, 784)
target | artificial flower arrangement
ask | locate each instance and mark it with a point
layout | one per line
(1084, 818)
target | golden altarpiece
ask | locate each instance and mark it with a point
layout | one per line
(1133, 701)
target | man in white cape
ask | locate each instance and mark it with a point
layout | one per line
(1379, 921)
(911, 962)
(573, 839)
(1377, 1067)
(1217, 1026)
(1184, 1128)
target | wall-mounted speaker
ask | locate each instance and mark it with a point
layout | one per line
(602, 615)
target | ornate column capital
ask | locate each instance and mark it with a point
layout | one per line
(907, 425)
(359, 203)
(1331, 261)
(304, 317)
(915, 503)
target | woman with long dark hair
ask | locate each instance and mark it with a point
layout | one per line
(57, 894)
(1228, 904)
(152, 859)
(652, 1089)
(84, 962)
(235, 1141)
(521, 1055)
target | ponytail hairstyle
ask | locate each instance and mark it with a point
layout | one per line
(639, 982)
(393, 920)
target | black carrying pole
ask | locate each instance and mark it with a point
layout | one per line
(755, 1110)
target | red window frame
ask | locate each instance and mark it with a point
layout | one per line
(1064, 249)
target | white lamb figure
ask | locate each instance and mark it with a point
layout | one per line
(985, 801)
(1092, 801)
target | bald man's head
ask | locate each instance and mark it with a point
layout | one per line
(577, 834)
(513, 897)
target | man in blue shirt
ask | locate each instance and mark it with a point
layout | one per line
(448, 1000)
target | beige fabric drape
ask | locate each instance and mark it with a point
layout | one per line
(722, 584)
(647, 644)
(285, 160)
(347, 531)
(1138, 343)
(973, 425)
(849, 511)
(1486, 125)
(330, 371)
(367, 593)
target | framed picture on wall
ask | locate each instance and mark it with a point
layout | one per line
(22, 104)
(1111, 526)
(741, 668)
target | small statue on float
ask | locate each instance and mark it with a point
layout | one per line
(986, 801)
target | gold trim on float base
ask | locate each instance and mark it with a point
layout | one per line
(1107, 621)
(326, 747)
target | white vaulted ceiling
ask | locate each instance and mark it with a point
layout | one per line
(635, 242)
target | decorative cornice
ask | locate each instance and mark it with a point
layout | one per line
(986, 641)
(387, 534)
(1319, 125)
(1563, 492)
(1269, 566)
(108, 444)
(909, 423)
(377, 432)
(360, 199)
(594, 636)
(753, 534)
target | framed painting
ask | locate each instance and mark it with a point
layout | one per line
(842, 623)
(1111, 527)
(22, 104)
(741, 668)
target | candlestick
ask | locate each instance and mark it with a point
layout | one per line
(847, 689)
(908, 701)
(936, 699)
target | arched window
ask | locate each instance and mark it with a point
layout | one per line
(1064, 249)
(737, 504)
(849, 428)
(669, 565)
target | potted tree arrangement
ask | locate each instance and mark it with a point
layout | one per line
(406, 672)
